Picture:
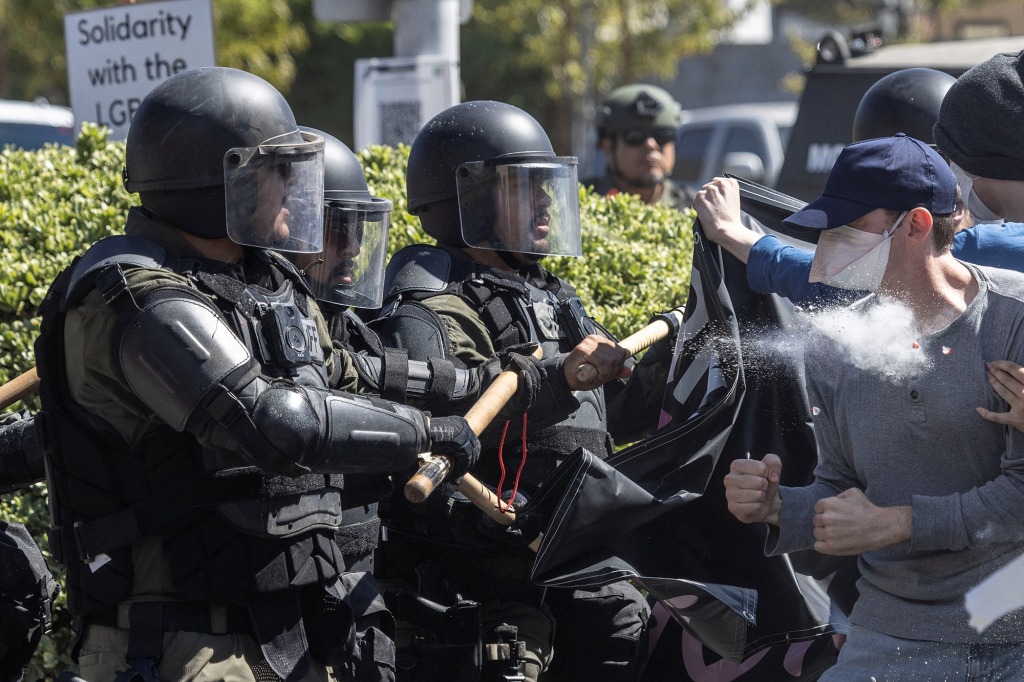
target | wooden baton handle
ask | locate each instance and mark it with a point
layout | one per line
(436, 467)
(21, 386)
(634, 343)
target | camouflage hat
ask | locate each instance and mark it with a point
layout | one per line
(638, 106)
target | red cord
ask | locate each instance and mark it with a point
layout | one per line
(502, 507)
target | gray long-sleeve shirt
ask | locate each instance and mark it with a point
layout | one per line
(914, 438)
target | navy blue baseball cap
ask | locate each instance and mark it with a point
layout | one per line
(897, 173)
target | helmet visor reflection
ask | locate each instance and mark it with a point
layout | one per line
(529, 207)
(274, 194)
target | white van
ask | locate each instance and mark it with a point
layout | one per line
(30, 125)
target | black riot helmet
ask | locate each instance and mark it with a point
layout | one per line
(349, 272)
(216, 152)
(905, 101)
(485, 174)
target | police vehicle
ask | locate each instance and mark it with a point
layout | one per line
(835, 85)
(748, 140)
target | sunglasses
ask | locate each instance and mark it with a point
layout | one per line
(638, 136)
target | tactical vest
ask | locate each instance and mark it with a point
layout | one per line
(230, 532)
(516, 309)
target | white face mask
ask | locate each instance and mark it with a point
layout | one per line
(979, 211)
(853, 259)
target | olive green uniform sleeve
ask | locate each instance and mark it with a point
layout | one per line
(468, 338)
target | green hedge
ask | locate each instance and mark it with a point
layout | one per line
(55, 202)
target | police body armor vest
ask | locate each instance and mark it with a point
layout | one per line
(229, 530)
(515, 309)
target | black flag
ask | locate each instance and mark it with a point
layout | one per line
(656, 513)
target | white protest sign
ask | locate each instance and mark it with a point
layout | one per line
(118, 54)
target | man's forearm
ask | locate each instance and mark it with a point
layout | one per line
(736, 239)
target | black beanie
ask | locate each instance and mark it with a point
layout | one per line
(979, 120)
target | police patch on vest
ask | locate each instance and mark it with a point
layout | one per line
(545, 318)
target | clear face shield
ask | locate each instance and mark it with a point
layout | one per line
(350, 269)
(274, 194)
(529, 207)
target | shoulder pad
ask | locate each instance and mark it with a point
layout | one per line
(120, 250)
(418, 268)
(415, 328)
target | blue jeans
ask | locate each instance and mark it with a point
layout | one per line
(869, 656)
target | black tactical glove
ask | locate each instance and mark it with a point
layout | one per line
(531, 377)
(524, 531)
(451, 436)
(21, 453)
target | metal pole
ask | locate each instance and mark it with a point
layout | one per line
(426, 27)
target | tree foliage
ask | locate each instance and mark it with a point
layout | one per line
(576, 48)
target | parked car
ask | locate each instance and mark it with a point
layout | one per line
(748, 140)
(30, 125)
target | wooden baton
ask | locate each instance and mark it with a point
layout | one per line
(436, 467)
(21, 386)
(634, 343)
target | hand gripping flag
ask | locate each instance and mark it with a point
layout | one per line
(656, 512)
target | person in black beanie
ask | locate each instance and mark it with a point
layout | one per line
(987, 157)
(985, 153)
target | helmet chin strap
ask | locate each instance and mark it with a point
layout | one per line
(515, 260)
(510, 259)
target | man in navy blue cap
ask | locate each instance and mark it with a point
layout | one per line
(928, 495)
(868, 196)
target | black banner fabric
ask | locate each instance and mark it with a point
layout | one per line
(655, 512)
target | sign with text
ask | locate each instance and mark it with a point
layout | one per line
(118, 54)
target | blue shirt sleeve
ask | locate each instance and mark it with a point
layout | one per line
(775, 268)
(992, 244)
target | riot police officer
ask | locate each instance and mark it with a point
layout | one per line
(196, 455)
(348, 275)
(637, 127)
(486, 184)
